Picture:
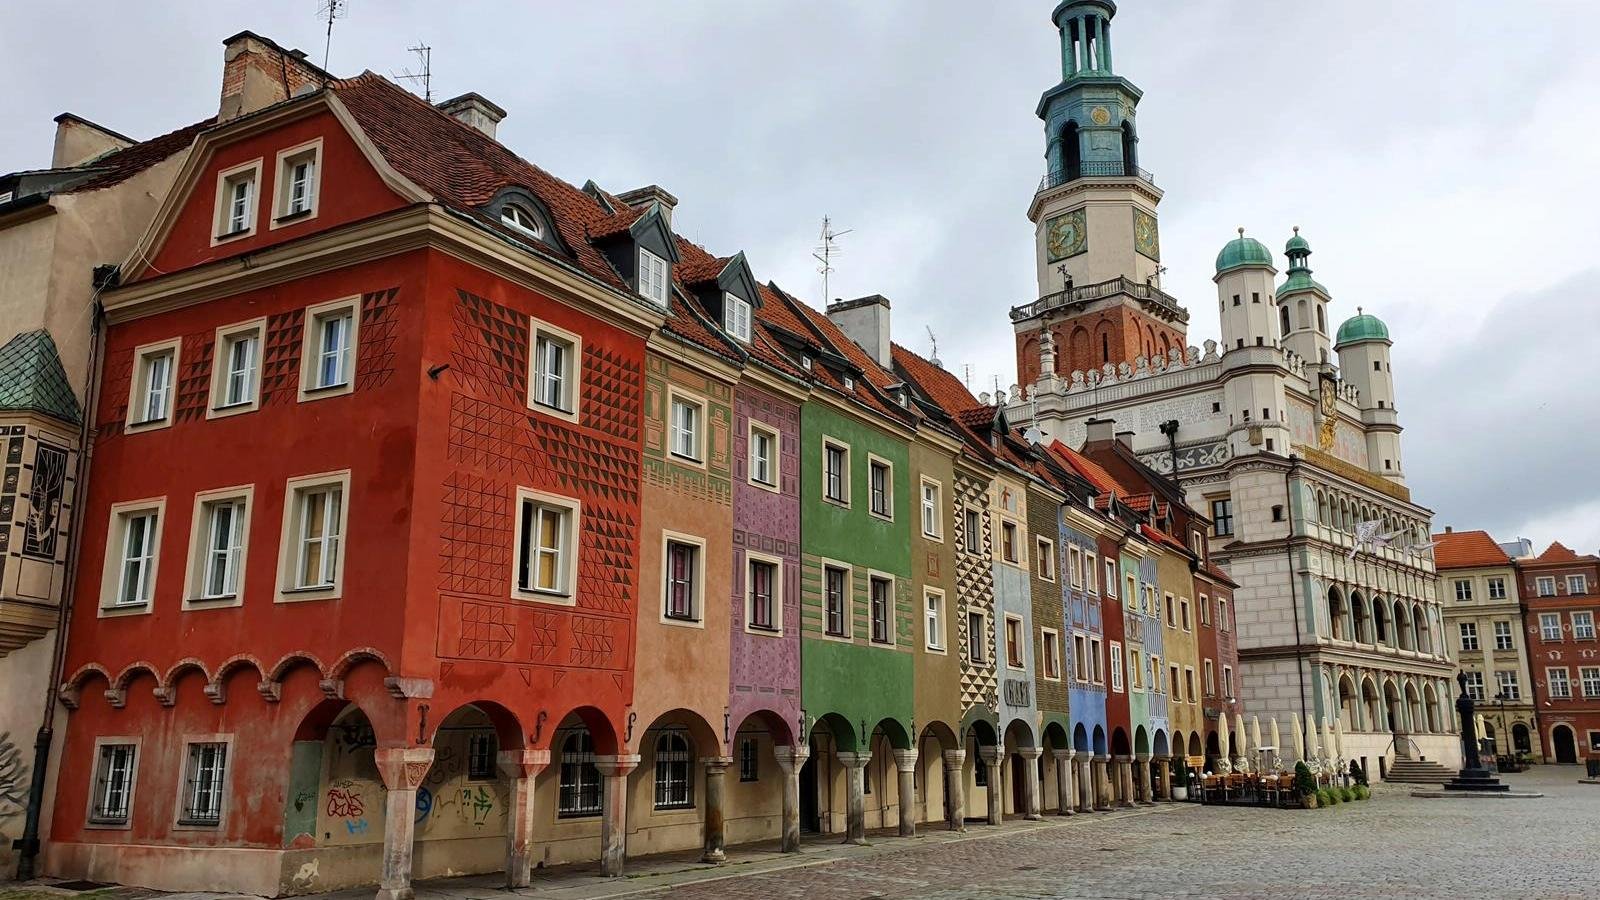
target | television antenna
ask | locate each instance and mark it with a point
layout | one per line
(826, 251)
(934, 353)
(425, 57)
(330, 10)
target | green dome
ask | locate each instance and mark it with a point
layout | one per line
(1296, 243)
(1243, 251)
(1364, 327)
(1300, 280)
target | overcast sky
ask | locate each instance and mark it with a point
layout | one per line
(1440, 157)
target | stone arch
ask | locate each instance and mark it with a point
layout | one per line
(1019, 733)
(1371, 710)
(1160, 746)
(895, 732)
(131, 671)
(1196, 748)
(291, 660)
(1348, 710)
(1382, 633)
(71, 690)
(1141, 740)
(507, 727)
(1402, 626)
(1055, 736)
(777, 725)
(1393, 710)
(1363, 617)
(1322, 508)
(1078, 346)
(601, 730)
(216, 688)
(1099, 746)
(840, 730)
(1080, 738)
(1423, 627)
(351, 658)
(1430, 699)
(1120, 745)
(1414, 710)
(1338, 613)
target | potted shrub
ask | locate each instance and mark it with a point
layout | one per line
(1180, 779)
(1305, 785)
(1358, 774)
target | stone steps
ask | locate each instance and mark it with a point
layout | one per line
(1412, 771)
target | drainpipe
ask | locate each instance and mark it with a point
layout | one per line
(28, 844)
(1294, 600)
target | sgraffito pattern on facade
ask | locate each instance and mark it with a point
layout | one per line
(975, 588)
(710, 482)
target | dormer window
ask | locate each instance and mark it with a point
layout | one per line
(652, 277)
(736, 317)
(518, 217)
(236, 202)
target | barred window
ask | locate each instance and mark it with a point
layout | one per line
(113, 789)
(580, 780)
(749, 769)
(674, 771)
(202, 791)
(481, 747)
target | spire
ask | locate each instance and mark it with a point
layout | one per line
(1299, 251)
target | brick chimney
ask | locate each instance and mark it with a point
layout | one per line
(256, 73)
(641, 198)
(866, 321)
(475, 110)
(1100, 431)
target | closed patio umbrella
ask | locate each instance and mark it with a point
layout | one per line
(1241, 752)
(1327, 744)
(1277, 744)
(1311, 739)
(1223, 764)
(1299, 744)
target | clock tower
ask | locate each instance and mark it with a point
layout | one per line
(1097, 237)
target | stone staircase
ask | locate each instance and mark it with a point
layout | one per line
(1417, 771)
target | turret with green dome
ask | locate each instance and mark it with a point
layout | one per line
(1243, 251)
(1299, 251)
(1362, 327)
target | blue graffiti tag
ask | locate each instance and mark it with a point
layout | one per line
(424, 803)
(356, 826)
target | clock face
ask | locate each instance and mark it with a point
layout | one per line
(1065, 235)
(1146, 239)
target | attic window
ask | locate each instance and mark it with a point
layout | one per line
(849, 383)
(805, 363)
(652, 277)
(736, 316)
(517, 216)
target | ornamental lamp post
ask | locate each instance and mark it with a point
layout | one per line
(1500, 701)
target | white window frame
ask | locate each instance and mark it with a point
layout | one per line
(196, 576)
(288, 158)
(846, 601)
(934, 634)
(1171, 608)
(774, 463)
(224, 789)
(977, 644)
(1506, 678)
(290, 545)
(844, 476)
(654, 277)
(697, 594)
(1021, 631)
(139, 387)
(1174, 682)
(931, 509)
(1582, 584)
(1074, 566)
(972, 539)
(1111, 578)
(571, 393)
(516, 215)
(1582, 628)
(311, 348)
(1544, 581)
(1227, 683)
(1469, 634)
(1081, 670)
(1184, 619)
(1008, 527)
(1548, 623)
(1188, 684)
(1463, 588)
(1050, 638)
(1224, 623)
(873, 462)
(94, 792)
(1496, 587)
(1211, 677)
(1045, 558)
(736, 316)
(1503, 637)
(1097, 662)
(698, 435)
(567, 555)
(890, 621)
(1117, 662)
(1589, 682)
(776, 630)
(222, 369)
(1558, 675)
(1135, 674)
(116, 540)
(221, 215)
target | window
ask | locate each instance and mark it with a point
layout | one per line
(1502, 635)
(933, 620)
(682, 582)
(1577, 584)
(1469, 635)
(1507, 682)
(546, 544)
(236, 202)
(836, 590)
(1560, 685)
(150, 397)
(736, 316)
(202, 786)
(1045, 561)
(297, 182)
(1135, 669)
(520, 218)
(881, 593)
(1008, 541)
(580, 780)
(687, 432)
(314, 511)
(977, 636)
(329, 355)
(930, 508)
(1463, 589)
(1550, 626)
(674, 771)
(749, 769)
(652, 277)
(1091, 568)
(763, 590)
(763, 456)
(1097, 662)
(1188, 684)
(137, 537)
(1116, 666)
(1547, 585)
(1590, 678)
(835, 472)
(1074, 567)
(1475, 686)
(1080, 657)
(880, 480)
(1174, 684)
(1211, 678)
(113, 784)
(1497, 588)
(1205, 610)
(1014, 654)
(1227, 682)
(1172, 612)
(974, 531)
(1051, 641)
(221, 521)
(1183, 613)
(236, 372)
(482, 748)
(1224, 622)
(1583, 626)
(1222, 517)
(555, 370)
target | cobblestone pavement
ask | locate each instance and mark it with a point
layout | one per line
(1392, 846)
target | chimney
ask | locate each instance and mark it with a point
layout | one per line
(1125, 438)
(79, 140)
(641, 198)
(256, 73)
(865, 321)
(475, 110)
(1449, 529)
(1100, 431)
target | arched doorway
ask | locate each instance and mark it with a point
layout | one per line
(1071, 151)
(1565, 744)
(1521, 739)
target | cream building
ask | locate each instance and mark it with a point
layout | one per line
(1286, 434)
(1483, 622)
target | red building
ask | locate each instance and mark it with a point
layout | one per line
(1560, 604)
(364, 515)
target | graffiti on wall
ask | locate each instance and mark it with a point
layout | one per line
(13, 777)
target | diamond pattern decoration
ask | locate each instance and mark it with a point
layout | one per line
(491, 349)
(194, 379)
(375, 357)
(280, 357)
(485, 631)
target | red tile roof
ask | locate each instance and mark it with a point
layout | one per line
(130, 161)
(1091, 471)
(1558, 552)
(1467, 549)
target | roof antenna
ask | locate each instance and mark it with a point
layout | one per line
(825, 253)
(934, 340)
(425, 56)
(330, 10)
(966, 375)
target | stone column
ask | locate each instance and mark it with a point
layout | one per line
(1125, 779)
(1164, 766)
(955, 786)
(1102, 783)
(614, 814)
(992, 757)
(1143, 789)
(402, 770)
(1065, 796)
(715, 831)
(855, 800)
(791, 760)
(905, 762)
(521, 767)
(1031, 787)
(1085, 764)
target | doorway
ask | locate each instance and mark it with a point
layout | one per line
(810, 822)
(1019, 784)
(1566, 745)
